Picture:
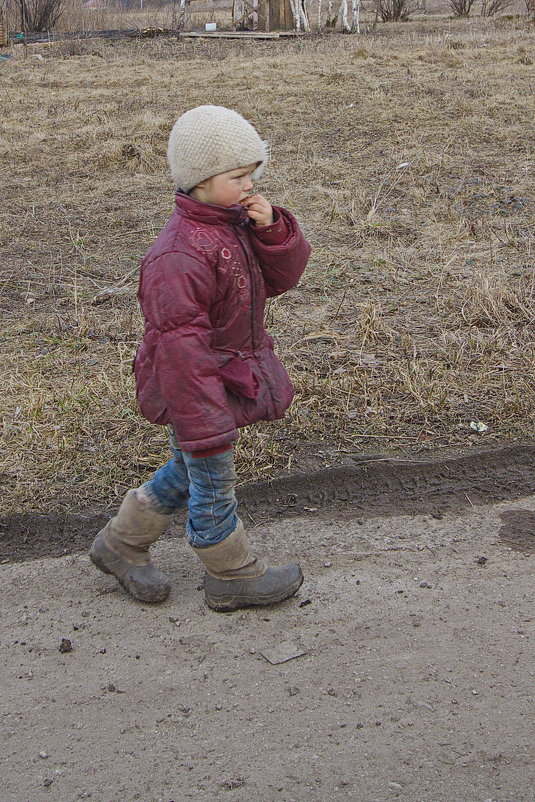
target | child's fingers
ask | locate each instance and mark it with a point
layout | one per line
(252, 199)
(249, 199)
(259, 208)
(256, 210)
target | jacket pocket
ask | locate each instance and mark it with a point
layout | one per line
(238, 377)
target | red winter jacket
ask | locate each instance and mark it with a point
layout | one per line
(205, 364)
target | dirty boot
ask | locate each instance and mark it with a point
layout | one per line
(235, 578)
(122, 549)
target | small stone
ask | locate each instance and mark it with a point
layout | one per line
(327, 564)
(395, 786)
(482, 560)
(423, 584)
(232, 783)
(43, 755)
(65, 646)
(48, 782)
(103, 651)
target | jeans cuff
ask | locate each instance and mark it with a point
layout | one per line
(155, 503)
(216, 535)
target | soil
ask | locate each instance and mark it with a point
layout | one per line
(414, 628)
(363, 486)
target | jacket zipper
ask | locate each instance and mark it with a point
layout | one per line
(251, 268)
(252, 279)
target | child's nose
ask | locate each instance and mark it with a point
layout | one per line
(248, 184)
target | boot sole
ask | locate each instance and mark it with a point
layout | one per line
(229, 603)
(98, 562)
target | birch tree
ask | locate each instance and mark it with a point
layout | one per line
(343, 11)
(300, 15)
(342, 14)
(355, 16)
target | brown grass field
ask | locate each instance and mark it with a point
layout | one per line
(416, 315)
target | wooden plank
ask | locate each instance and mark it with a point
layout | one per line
(263, 14)
(229, 35)
(287, 21)
(281, 18)
(274, 15)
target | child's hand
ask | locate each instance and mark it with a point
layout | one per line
(259, 210)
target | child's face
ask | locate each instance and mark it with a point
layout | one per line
(226, 189)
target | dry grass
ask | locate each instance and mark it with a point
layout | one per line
(416, 315)
(78, 18)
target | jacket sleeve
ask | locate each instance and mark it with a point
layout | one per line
(176, 292)
(282, 252)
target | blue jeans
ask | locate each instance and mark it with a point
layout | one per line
(205, 486)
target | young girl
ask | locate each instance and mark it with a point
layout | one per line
(206, 366)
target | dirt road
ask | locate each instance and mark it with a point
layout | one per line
(416, 681)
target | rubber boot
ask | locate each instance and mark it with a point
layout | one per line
(235, 578)
(122, 549)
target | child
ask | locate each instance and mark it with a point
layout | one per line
(206, 366)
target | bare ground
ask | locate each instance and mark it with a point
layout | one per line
(416, 681)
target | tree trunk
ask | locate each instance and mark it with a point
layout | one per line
(343, 9)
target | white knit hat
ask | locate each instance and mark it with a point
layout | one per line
(210, 140)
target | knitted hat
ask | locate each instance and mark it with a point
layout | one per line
(210, 140)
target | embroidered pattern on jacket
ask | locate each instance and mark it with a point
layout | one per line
(230, 265)
(203, 240)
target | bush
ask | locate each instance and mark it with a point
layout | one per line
(491, 7)
(461, 8)
(393, 10)
(39, 15)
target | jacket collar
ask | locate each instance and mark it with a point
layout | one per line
(209, 213)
